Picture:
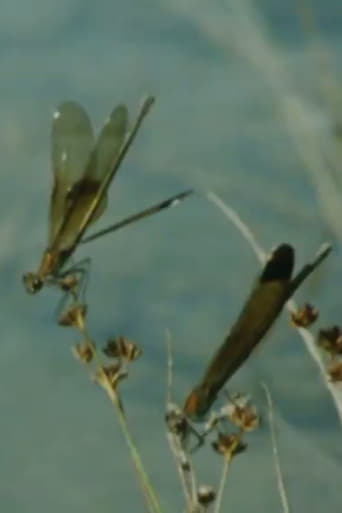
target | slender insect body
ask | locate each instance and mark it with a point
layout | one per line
(83, 170)
(263, 306)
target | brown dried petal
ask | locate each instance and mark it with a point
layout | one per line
(121, 347)
(304, 316)
(69, 282)
(245, 418)
(331, 340)
(241, 412)
(74, 316)
(110, 373)
(83, 351)
(229, 445)
(335, 372)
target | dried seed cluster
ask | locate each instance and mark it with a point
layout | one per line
(328, 339)
(121, 349)
(304, 316)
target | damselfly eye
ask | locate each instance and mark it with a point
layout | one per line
(32, 283)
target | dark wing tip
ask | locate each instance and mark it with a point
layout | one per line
(184, 194)
(174, 200)
(280, 264)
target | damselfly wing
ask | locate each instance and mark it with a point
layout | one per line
(83, 170)
(272, 289)
(72, 198)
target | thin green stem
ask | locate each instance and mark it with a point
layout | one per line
(279, 475)
(223, 480)
(147, 488)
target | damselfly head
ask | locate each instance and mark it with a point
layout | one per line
(50, 262)
(33, 283)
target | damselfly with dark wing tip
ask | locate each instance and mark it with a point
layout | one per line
(273, 288)
(83, 170)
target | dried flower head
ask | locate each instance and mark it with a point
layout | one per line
(229, 445)
(83, 351)
(330, 340)
(335, 372)
(121, 347)
(110, 374)
(206, 495)
(304, 316)
(69, 282)
(245, 418)
(242, 413)
(74, 316)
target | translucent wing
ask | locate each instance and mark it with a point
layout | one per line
(108, 144)
(82, 194)
(72, 143)
(106, 149)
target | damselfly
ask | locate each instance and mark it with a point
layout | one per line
(83, 169)
(272, 289)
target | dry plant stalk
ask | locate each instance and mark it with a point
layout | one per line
(238, 411)
(109, 377)
(278, 471)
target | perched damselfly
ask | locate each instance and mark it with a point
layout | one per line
(273, 288)
(83, 169)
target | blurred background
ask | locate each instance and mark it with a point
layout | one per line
(248, 105)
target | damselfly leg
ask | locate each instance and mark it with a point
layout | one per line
(73, 282)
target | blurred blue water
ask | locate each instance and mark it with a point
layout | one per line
(215, 125)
